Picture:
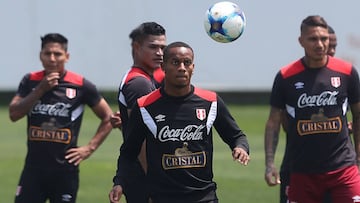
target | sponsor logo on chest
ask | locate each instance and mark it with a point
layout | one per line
(188, 133)
(326, 98)
(57, 109)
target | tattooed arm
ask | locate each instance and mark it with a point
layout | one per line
(272, 130)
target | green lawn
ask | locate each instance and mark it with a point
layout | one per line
(236, 183)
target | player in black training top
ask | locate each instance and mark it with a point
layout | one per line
(315, 92)
(285, 168)
(148, 42)
(53, 101)
(176, 121)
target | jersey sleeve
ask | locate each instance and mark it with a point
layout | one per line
(24, 88)
(136, 88)
(228, 129)
(277, 97)
(131, 147)
(354, 87)
(91, 94)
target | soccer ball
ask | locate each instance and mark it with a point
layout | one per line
(224, 21)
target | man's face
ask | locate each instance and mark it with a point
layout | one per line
(179, 67)
(149, 54)
(315, 41)
(53, 58)
(332, 44)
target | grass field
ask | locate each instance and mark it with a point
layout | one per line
(236, 183)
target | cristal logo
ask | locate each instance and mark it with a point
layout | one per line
(57, 109)
(326, 98)
(190, 132)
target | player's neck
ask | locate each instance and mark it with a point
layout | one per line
(176, 91)
(315, 63)
(149, 71)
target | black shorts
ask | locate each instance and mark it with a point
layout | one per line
(41, 185)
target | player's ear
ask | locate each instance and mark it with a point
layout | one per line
(300, 41)
(193, 69)
(135, 46)
(67, 56)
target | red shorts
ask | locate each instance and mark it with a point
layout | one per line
(343, 185)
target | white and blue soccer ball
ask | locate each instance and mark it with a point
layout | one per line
(224, 21)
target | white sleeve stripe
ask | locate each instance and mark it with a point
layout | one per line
(211, 117)
(77, 112)
(148, 121)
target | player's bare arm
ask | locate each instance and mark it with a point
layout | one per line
(20, 106)
(272, 130)
(103, 111)
(240, 155)
(355, 111)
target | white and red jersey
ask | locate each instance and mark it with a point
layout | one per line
(316, 101)
(54, 122)
(179, 143)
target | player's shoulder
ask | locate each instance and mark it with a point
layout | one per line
(36, 75)
(159, 75)
(339, 65)
(74, 78)
(292, 68)
(149, 98)
(138, 73)
(205, 94)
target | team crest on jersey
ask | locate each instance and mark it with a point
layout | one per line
(335, 82)
(201, 114)
(70, 93)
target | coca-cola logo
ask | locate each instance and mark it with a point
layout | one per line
(326, 98)
(190, 132)
(57, 109)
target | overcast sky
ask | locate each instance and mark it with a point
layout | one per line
(100, 48)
